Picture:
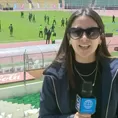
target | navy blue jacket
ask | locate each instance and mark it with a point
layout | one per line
(54, 101)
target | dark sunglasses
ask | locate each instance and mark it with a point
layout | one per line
(91, 33)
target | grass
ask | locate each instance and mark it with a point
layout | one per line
(28, 31)
(25, 30)
(109, 26)
(114, 54)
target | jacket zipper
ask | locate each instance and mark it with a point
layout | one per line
(110, 93)
(55, 94)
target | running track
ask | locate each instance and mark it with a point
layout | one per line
(112, 42)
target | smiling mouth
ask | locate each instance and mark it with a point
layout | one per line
(84, 46)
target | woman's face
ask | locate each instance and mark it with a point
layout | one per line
(84, 38)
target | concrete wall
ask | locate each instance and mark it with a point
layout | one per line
(20, 90)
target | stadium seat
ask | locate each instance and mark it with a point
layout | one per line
(14, 110)
(106, 3)
(19, 69)
(1, 71)
(34, 116)
(18, 114)
(12, 70)
(77, 4)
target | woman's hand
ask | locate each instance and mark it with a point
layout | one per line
(78, 115)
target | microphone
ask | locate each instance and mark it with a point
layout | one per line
(86, 102)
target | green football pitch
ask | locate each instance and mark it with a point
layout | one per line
(28, 31)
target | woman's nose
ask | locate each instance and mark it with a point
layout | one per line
(84, 37)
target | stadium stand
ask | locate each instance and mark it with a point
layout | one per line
(15, 110)
(32, 99)
(106, 3)
(77, 3)
(91, 3)
(3, 3)
(20, 107)
(45, 4)
(7, 4)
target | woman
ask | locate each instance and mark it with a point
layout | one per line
(83, 57)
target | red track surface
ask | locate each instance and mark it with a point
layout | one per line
(112, 41)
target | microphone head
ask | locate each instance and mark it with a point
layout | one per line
(87, 89)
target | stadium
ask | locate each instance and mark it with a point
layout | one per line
(24, 54)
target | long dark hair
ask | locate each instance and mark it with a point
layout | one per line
(66, 52)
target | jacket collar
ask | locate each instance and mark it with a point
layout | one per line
(57, 71)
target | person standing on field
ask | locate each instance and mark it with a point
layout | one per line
(11, 30)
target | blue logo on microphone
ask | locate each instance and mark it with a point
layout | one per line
(85, 105)
(88, 104)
